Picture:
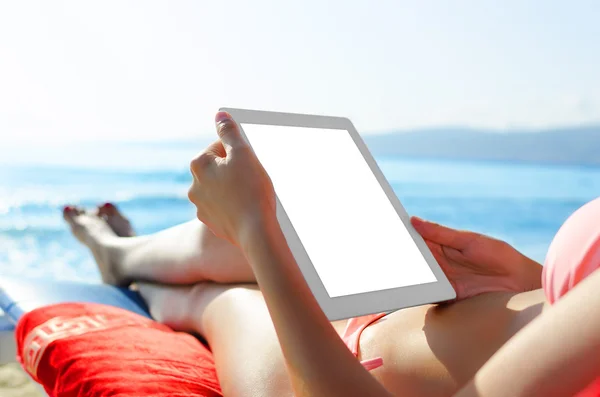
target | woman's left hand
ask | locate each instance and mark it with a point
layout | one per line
(475, 263)
(230, 189)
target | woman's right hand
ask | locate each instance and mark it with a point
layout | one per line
(475, 263)
(230, 188)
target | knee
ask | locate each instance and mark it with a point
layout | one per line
(206, 238)
(222, 299)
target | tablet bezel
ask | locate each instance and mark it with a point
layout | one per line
(368, 302)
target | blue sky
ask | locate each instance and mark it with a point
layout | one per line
(136, 70)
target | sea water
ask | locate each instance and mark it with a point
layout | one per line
(523, 204)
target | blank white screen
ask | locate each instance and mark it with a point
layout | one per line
(351, 232)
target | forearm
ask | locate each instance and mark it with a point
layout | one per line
(557, 354)
(318, 362)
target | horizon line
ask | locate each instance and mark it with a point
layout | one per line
(400, 130)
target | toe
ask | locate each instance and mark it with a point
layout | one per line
(107, 209)
(116, 220)
(71, 211)
(67, 210)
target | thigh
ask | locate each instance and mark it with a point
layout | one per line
(238, 328)
(436, 349)
(236, 324)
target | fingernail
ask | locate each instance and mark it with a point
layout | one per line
(417, 222)
(222, 117)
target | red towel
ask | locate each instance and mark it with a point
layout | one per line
(92, 350)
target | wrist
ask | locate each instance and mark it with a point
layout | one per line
(256, 226)
(530, 273)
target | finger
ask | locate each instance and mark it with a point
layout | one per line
(452, 254)
(194, 193)
(203, 161)
(216, 149)
(444, 254)
(457, 239)
(440, 256)
(435, 249)
(229, 132)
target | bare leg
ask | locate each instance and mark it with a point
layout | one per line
(184, 254)
(233, 319)
(426, 350)
(236, 324)
(419, 357)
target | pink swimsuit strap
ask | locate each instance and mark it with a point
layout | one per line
(351, 337)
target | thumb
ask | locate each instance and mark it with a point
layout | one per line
(229, 132)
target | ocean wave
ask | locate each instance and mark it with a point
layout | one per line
(44, 220)
(59, 174)
(23, 231)
(154, 201)
(40, 205)
(53, 258)
(36, 189)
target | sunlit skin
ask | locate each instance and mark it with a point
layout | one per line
(426, 349)
(256, 335)
(317, 361)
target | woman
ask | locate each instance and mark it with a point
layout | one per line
(426, 350)
(429, 350)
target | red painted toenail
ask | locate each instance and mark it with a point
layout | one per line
(67, 208)
(107, 205)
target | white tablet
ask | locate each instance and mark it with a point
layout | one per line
(347, 230)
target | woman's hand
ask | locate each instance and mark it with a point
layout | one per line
(235, 198)
(231, 190)
(475, 263)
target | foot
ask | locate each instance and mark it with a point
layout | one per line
(116, 220)
(95, 233)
